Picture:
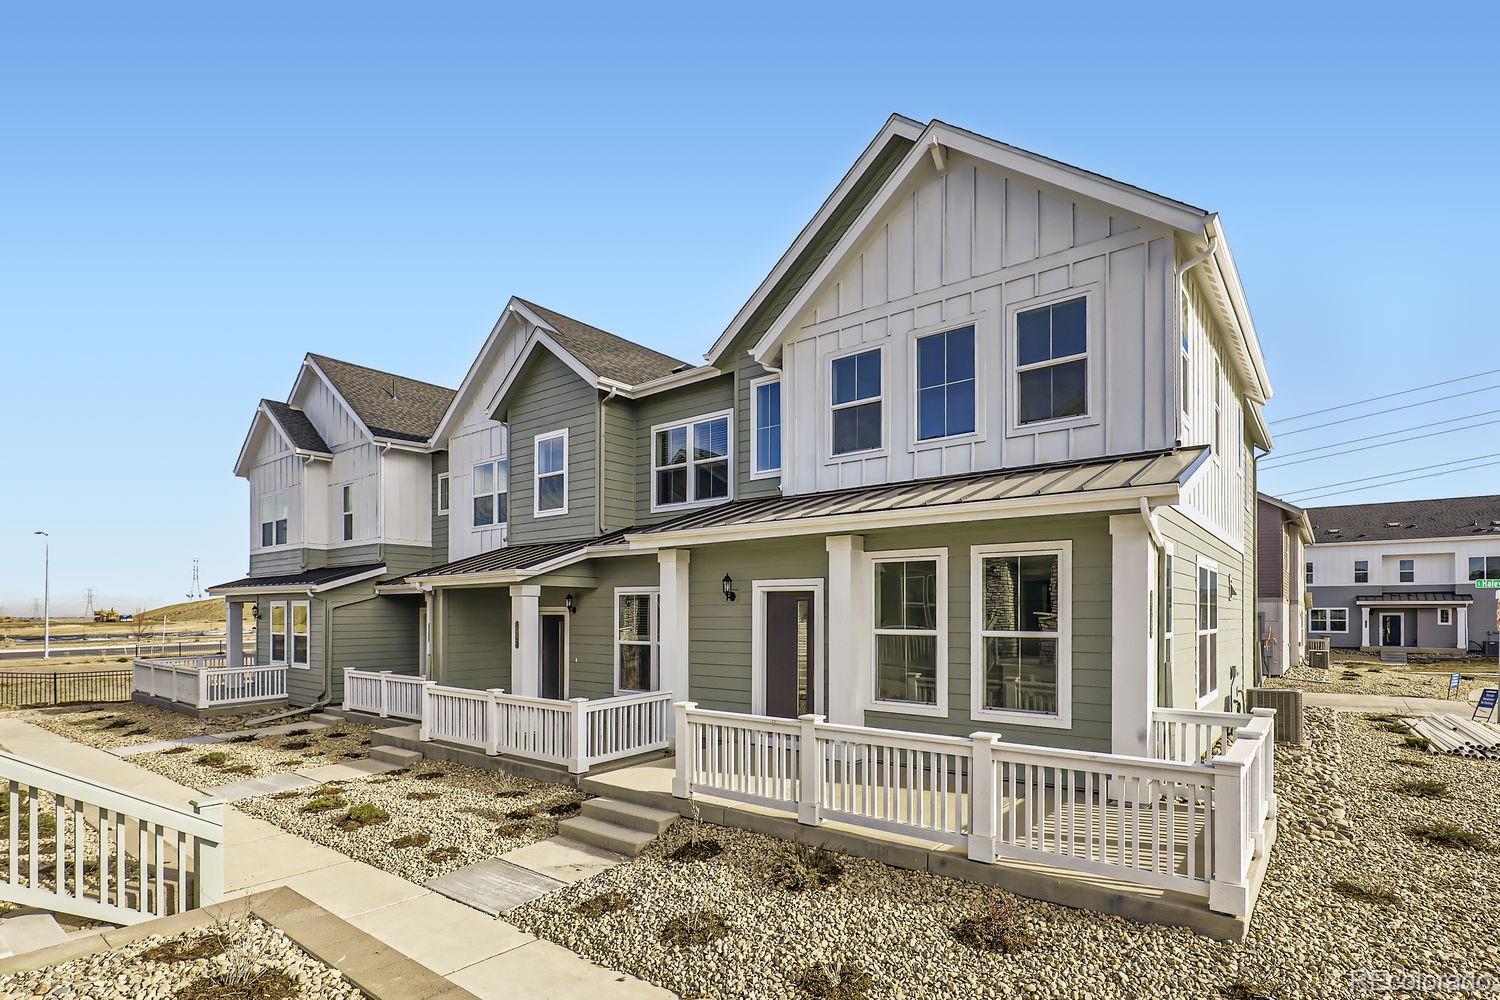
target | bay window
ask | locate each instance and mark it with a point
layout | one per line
(691, 461)
(1021, 627)
(910, 632)
(637, 643)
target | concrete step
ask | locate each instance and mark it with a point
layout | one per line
(628, 814)
(619, 839)
(395, 755)
(324, 717)
(29, 931)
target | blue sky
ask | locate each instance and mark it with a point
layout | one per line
(193, 196)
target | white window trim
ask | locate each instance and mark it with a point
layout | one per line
(755, 472)
(1093, 331)
(1400, 571)
(690, 503)
(1169, 606)
(444, 479)
(346, 512)
(259, 524)
(876, 704)
(980, 383)
(497, 493)
(536, 476)
(1063, 549)
(1199, 632)
(759, 589)
(829, 406)
(291, 648)
(1328, 628)
(1445, 616)
(1367, 571)
(286, 629)
(1307, 573)
(654, 643)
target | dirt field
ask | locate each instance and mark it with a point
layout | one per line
(1361, 673)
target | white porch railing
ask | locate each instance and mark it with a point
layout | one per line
(1187, 825)
(113, 856)
(208, 681)
(382, 693)
(576, 734)
(1191, 737)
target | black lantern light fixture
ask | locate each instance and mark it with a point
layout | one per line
(255, 611)
(728, 583)
(571, 603)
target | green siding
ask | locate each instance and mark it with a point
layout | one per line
(281, 563)
(617, 465)
(350, 555)
(591, 651)
(304, 684)
(1236, 604)
(439, 521)
(473, 640)
(548, 397)
(402, 559)
(694, 400)
(746, 370)
(377, 634)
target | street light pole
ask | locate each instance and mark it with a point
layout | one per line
(46, 595)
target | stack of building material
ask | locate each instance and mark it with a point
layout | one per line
(1456, 735)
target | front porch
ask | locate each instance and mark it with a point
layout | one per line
(208, 685)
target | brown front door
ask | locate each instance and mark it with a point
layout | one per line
(554, 646)
(790, 639)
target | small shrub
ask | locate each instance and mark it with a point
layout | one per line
(296, 745)
(520, 814)
(362, 815)
(1424, 788)
(563, 810)
(334, 735)
(510, 830)
(243, 738)
(422, 796)
(1365, 893)
(492, 815)
(353, 755)
(284, 796)
(323, 803)
(804, 867)
(207, 946)
(297, 732)
(117, 724)
(242, 980)
(178, 749)
(604, 903)
(428, 776)
(696, 850)
(996, 928)
(215, 759)
(240, 768)
(139, 731)
(1417, 742)
(847, 982)
(514, 793)
(695, 928)
(1442, 833)
(442, 855)
(412, 840)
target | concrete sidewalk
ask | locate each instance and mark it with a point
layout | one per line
(1388, 703)
(488, 957)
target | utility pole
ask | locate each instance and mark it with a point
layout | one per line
(46, 594)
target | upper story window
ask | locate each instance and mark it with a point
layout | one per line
(690, 461)
(856, 402)
(1208, 630)
(1407, 569)
(1021, 622)
(491, 492)
(1484, 567)
(765, 418)
(348, 515)
(1187, 358)
(1052, 362)
(551, 475)
(444, 494)
(1361, 571)
(945, 384)
(910, 628)
(273, 520)
(1308, 574)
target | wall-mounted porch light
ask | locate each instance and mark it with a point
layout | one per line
(571, 603)
(255, 611)
(728, 583)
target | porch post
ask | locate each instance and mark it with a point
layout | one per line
(424, 733)
(673, 610)
(525, 639)
(427, 631)
(682, 777)
(1364, 625)
(849, 630)
(982, 798)
(1463, 627)
(234, 625)
(1228, 888)
(492, 721)
(1132, 646)
(201, 676)
(809, 787)
(578, 743)
(385, 698)
(208, 857)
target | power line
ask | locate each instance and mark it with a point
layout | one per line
(1394, 409)
(1410, 479)
(1384, 475)
(1384, 444)
(1389, 395)
(1370, 437)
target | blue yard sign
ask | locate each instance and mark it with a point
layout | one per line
(1453, 684)
(1487, 699)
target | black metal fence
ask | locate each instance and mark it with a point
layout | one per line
(27, 690)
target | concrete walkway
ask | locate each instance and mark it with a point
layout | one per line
(488, 957)
(1388, 703)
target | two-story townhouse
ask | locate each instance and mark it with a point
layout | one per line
(1402, 574)
(1283, 533)
(340, 499)
(977, 453)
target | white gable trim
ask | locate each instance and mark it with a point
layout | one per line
(540, 338)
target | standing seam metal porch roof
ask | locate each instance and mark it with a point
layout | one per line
(513, 557)
(1415, 597)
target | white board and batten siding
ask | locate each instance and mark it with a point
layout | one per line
(275, 469)
(1215, 497)
(975, 245)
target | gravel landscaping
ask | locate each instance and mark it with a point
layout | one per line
(439, 816)
(1350, 674)
(206, 765)
(131, 723)
(1352, 886)
(243, 959)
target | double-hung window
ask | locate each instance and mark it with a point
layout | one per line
(444, 494)
(856, 402)
(691, 461)
(765, 418)
(1021, 628)
(1208, 630)
(1307, 574)
(910, 647)
(491, 491)
(637, 645)
(551, 475)
(1407, 570)
(273, 520)
(300, 619)
(1445, 616)
(1484, 567)
(945, 384)
(1328, 620)
(1361, 571)
(347, 495)
(278, 632)
(1052, 379)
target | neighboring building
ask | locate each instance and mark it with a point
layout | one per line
(1283, 533)
(976, 454)
(1402, 574)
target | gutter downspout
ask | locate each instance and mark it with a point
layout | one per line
(614, 390)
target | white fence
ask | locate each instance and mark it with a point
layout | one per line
(83, 848)
(1187, 825)
(577, 734)
(208, 681)
(382, 693)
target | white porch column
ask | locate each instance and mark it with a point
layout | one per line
(525, 639)
(1463, 627)
(1364, 626)
(672, 609)
(849, 630)
(1132, 651)
(234, 632)
(425, 639)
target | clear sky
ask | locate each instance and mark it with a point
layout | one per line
(192, 196)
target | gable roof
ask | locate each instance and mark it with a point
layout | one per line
(1290, 514)
(389, 405)
(604, 353)
(298, 429)
(1451, 517)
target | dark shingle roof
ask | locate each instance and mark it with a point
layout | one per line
(605, 354)
(392, 406)
(1453, 517)
(320, 578)
(298, 428)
